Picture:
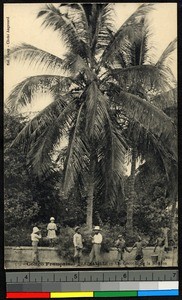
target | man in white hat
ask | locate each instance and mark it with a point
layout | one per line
(78, 245)
(51, 232)
(35, 237)
(96, 245)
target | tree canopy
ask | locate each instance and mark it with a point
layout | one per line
(110, 84)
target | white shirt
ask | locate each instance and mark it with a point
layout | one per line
(77, 240)
(51, 228)
(35, 237)
(97, 238)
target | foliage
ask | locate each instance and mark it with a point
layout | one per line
(104, 105)
(151, 211)
(46, 194)
(19, 206)
(109, 233)
(17, 236)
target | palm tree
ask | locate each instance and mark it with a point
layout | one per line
(86, 100)
(137, 73)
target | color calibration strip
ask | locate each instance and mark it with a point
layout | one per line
(48, 295)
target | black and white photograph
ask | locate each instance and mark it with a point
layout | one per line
(90, 135)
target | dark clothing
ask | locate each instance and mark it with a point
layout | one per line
(139, 248)
(139, 253)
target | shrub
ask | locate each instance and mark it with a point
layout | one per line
(65, 243)
(65, 240)
(17, 237)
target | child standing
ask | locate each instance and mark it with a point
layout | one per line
(78, 245)
(139, 261)
(51, 234)
(35, 237)
(121, 247)
(160, 244)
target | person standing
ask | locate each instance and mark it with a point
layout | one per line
(51, 232)
(160, 244)
(78, 245)
(121, 247)
(139, 261)
(96, 246)
(35, 237)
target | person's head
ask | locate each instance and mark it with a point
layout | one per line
(97, 229)
(77, 229)
(120, 236)
(52, 219)
(36, 230)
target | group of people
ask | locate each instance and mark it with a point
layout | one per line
(36, 236)
(96, 239)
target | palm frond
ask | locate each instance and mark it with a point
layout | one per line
(39, 156)
(74, 64)
(100, 24)
(128, 29)
(76, 13)
(166, 99)
(36, 56)
(150, 117)
(167, 52)
(112, 163)
(43, 132)
(75, 154)
(168, 162)
(40, 122)
(134, 52)
(61, 23)
(95, 110)
(111, 149)
(147, 77)
(23, 92)
(91, 107)
(139, 49)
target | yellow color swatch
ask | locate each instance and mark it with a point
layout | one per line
(71, 294)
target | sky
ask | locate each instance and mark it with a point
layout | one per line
(25, 28)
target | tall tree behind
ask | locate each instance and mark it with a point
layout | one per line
(86, 100)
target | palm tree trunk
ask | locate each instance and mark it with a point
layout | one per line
(90, 197)
(130, 202)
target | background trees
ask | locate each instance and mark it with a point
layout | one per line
(107, 91)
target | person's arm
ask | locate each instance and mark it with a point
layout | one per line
(38, 236)
(127, 249)
(156, 244)
(116, 243)
(92, 237)
(101, 238)
(74, 241)
(144, 244)
(132, 247)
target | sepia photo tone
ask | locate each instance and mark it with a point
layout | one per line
(90, 135)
